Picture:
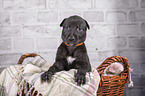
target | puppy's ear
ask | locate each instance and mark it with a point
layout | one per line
(87, 24)
(62, 22)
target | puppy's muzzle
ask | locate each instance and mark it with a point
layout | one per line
(71, 38)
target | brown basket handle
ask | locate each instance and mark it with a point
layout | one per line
(25, 56)
(111, 60)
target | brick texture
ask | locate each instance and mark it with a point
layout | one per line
(117, 27)
(10, 31)
(137, 16)
(5, 18)
(114, 17)
(143, 27)
(116, 4)
(35, 4)
(117, 42)
(24, 18)
(128, 29)
(13, 4)
(23, 44)
(137, 42)
(142, 3)
(46, 17)
(41, 31)
(94, 16)
(9, 59)
(48, 43)
(5, 44)
(69, 4)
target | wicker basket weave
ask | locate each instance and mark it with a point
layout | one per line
(113, 85)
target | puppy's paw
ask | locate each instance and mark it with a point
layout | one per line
(80, 79)
(46, 77)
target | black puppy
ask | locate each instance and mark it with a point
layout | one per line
(72, 53)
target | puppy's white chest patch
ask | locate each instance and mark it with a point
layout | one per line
(70, 59)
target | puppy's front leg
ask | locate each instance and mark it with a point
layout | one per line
(56, 67)
(59, 64)
(80, 77)
(82, 68)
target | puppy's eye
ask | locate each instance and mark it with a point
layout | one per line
(66, 28)
(80, 29)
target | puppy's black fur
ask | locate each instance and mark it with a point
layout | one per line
(73, 33)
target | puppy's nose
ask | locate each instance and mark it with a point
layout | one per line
(72, 38)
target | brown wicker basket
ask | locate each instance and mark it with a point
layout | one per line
(113, 85)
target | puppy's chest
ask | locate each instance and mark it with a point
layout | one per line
(70, 59)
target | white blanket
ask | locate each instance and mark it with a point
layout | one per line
(25, 79)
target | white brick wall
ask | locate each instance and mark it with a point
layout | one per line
(7, 43)
(5, 18)
(117, 28)
(33, 25)
(10, 31)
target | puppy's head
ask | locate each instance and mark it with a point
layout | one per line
(74, 30)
